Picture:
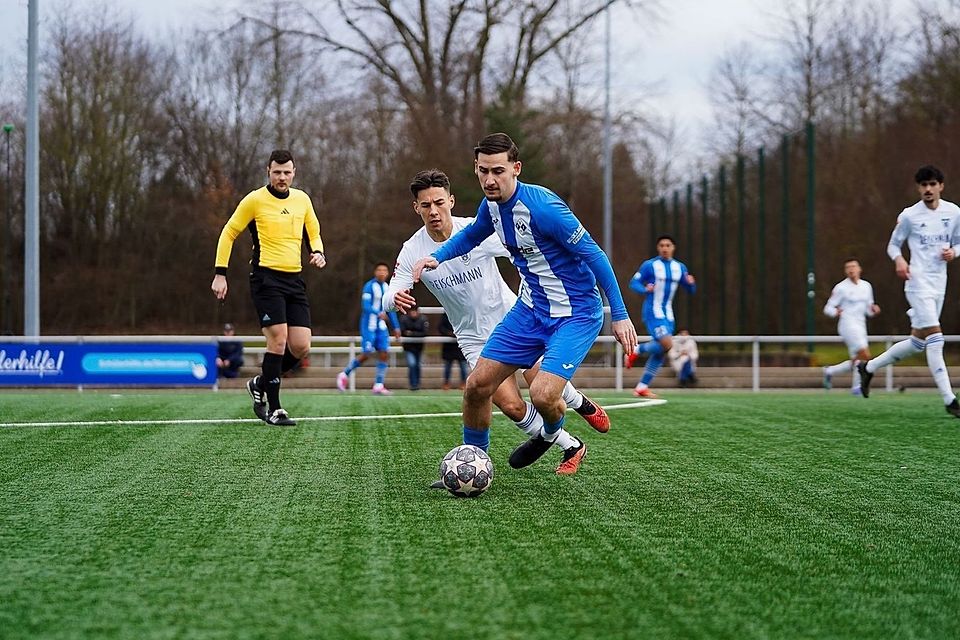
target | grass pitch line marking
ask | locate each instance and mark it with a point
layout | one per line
(388, 416)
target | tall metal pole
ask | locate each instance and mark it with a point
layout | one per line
(31, 207)
(688, 246)
(721, 250)
(607, 161)
(607, 152)
(761, 240)
(785, 234)
(705, 252)
(811, 209)
(676, 216)
(741, 245)
(6, 320)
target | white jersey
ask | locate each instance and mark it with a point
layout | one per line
(927, 232)
(854, 300)
(470, 288)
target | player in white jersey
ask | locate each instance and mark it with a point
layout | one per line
(851, 302)
(476, 298)
(931, 228)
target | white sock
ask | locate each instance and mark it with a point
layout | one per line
(856, 379)
(897, 352)
(571, 396)
(938, 368)
(837, 369)
(565, 440)
(532, 422)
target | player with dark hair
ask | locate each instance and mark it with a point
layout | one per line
(475, 298)
(558, 313)
(931, 228)
(374, 333)
(657, 280)
(279, 219)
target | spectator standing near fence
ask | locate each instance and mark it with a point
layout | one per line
(413, 324)
(279, 218)
(450, 353)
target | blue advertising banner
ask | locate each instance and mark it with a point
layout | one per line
(47, 363)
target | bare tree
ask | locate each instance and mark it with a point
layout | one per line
(736, 85)
(102, 130)
(447, 62)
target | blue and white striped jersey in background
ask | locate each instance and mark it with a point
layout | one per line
(371, 305)
(665, 275)
(560, 265)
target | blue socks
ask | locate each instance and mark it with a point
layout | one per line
(381, 371)
(652, 347)
(476, 437)
(653, 366)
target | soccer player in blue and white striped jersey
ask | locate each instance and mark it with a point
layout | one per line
(658, 280)
(558, 314)
(374, 336)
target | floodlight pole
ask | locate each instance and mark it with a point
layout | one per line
(607, 152)
(31, 205)
(6, 325)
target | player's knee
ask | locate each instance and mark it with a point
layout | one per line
(513, 408)
(299, 351)
(546, 400)
(477, 390)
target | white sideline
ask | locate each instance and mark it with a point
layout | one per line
(394, 416)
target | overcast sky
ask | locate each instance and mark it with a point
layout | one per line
(664, 62)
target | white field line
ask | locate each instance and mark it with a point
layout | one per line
(393, 416)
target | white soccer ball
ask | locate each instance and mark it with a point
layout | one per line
(466, 471)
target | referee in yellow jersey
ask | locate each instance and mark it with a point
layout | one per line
(279, 218)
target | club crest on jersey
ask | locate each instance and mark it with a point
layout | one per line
(520, 226)
(465, 258)
(946, 222)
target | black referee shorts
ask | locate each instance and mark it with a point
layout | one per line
(280, 298)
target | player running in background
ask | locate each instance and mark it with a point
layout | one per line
(475, 298)
(558, 313)
(374, 335)
(279, 217)
(657, 280)
(931, 228)
(851, 301)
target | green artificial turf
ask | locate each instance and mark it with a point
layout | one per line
(812, 515)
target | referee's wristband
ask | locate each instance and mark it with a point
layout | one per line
(220, 271)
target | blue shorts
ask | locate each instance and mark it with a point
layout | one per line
(522, 337)
(659, 327)
(375, 341)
